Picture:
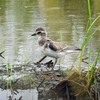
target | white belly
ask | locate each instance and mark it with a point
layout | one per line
(54, 54)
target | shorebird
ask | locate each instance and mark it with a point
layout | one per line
(52, 48)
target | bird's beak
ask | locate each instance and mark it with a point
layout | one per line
(33, 34)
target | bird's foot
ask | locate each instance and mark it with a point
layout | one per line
(49, 64)
(38, 64)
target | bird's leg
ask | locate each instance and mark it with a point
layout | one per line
(59, 65)
(40, 60)
(54, 63)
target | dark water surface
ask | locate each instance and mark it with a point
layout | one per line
(64, 20)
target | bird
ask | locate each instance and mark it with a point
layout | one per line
(52, 48)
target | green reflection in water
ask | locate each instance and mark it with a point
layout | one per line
(64, 18)
(65, 21)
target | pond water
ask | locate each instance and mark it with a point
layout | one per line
(64, 20)
(25, 94)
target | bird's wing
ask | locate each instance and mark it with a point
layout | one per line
(55, 46)
(71, 49)
(49, 44)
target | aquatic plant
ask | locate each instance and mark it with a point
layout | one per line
(9, 68)
(84, 83)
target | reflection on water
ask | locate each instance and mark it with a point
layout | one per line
(24, 94)
(64, 20)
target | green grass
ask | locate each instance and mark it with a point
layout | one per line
(84, 81)
(89, 10)
(9, 68)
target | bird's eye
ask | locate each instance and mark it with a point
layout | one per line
(38, 32)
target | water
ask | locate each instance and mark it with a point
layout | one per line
(26, 94)
(64, 20)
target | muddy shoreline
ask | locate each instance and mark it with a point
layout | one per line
(49, 84)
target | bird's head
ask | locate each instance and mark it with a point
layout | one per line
(39, 32)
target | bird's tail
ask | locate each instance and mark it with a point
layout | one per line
(71, 49)
(1, 54)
